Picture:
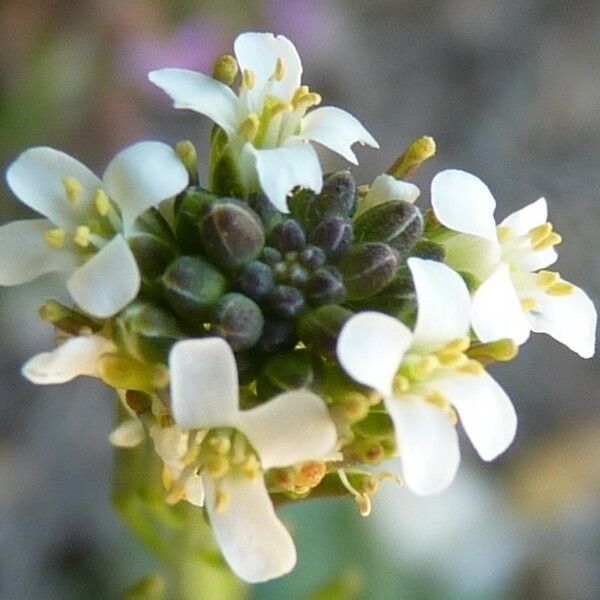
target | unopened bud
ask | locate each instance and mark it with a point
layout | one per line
(284, 372)
(192, 287)
(278, 334)
(368, 269)
(187, 217)
(286, 301)
(255, 280)
(67, 319)
(368, 451)
(265, 209)
(498, 351)
(225, 69)
(417, 152)
(288, 236)
(334, 235)
(238, 320)
(397, 223)
(354, 406)
(312, 257)
(271, 256)
(231, 232)
(336, 199)
(429, 250)
(137, 401)
(325, 286)
(186, 151)
(319, 328)
(376, 426)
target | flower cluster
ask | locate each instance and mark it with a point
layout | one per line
(276, 334)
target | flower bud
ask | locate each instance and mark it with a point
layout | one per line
(186, 151)
(319, 328)
(368, 269)
(325, 286)
(336, 199)
(225, 69)
(500, 350)
(286, 301)
(238, 320)
(271, 256)
(418, 151)
(66, 319)
(264, 208)
(429, 250)
(288, 236)
(223, 170)
(231, 233)
(377, 426)
(187, 216)
(397, 223)
(333, 235)
(146, 332)
(278, 334)
(312, 257)
(283, 372)
(255, 280)
(192, 287)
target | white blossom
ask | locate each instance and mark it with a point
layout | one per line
(386, 188)
(517, 295)
(424, 376)
(266, 123)
(87, 220)
(291, 428)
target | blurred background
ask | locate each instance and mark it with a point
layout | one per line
(511, 92)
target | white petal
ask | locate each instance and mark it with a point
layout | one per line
(464, 203)
(194, 490)
(528, 217)
(171, 444)
(386, 188)
(77, 356)
(476, 255)
(485, 411)
(204, 383)
(253, 540)
(370, 348)
(496, 312)
(128, 434)
(24, 255)
(36, 177)
(533, 260)
(143, 175)
(259, 53)
(337, 130)
(200, 93)
(281, 169)
(289, 429)
(570, 320)
(427, 442)
(108, 281)
(444, 304)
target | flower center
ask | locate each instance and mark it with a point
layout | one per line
(529, 286)
(536, 239)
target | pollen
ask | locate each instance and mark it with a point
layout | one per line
(504, 233)
(529, 304)
(249, 127)
(55, 238)
(82, 236)
(220, 444)
(101, 202)
(401, 385)
(451, 358)
(222, 500)
(438, 399)
(561, 288)
(546, 279)
(217, 466)
(458, 345)
(73, 189)
(279, 71)
(425, 367)
(248, 79)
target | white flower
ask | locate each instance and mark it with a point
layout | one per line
(267, 124)
(83, 233)
(386, 188)
(291, 428)
(424, 375)
(515, 296)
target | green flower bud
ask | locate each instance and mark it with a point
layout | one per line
(334, 236)
(192, 287)
(271, 256)
(376, 426)
(368, 269)
(187, 216)
(278, 334)
(186, 151)
(319, 328)
(223, 171)
(255, 280)
(231, 232)
(336, 199)
(238, 320)
(298, 203)
(288, 236)
(429, 250)
(66, 319)
(283, 372)
(325, 286)
(312, 257)
(286, 301)
(264, 208)
(146, 332)
(225, 69)
(397, 223)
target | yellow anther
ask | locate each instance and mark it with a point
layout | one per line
(167, 479)
(355, 406)
(546, 279)
(220, 444)
(191, 456)
(308, 100)
(504, 233)
(217, 466)
(401, 385)
(311, 473)
(248, 79)
(451, 358)
(458, 345)
(225, 69)
(176, 494)
(501, 350)
(418, 151)
(101, 202)
(561, 288)
(552, 239)
(186, 151)
(251, 467)
(55, 238)
(299, 93)
(472, 367)
(73, 189)
(425, 367)
(279, 71)
(528, 304)
(438, 399)
(540, 233)
(222, 500)
(82, 236)
(248, 128)
(280, 107)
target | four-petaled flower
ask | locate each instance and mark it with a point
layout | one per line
(425, 374)
(291, 428)
(87, 220)
(515, 296)
(267, 124)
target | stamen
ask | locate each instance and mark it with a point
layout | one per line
(401, 385)
(529, 304)
(167, 479)
(251, 468)
(425, 367)
(363, 500)
(307, 101)
(220, 444)
(73, 189)
(546, 279)
(249, 127)
(472, 367)
(176, 494)
(553, 239)
(458, 345)
(299, 93)
(222, 500)
(82, 236)
(438, 399)
(561, 288)
(540, 233)
(101, 202)
(504, 233)
(451, 358)
(279, 72)
(248, 79)
(55, 238)
(217, 466)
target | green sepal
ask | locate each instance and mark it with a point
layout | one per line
(319, 328)
(223, 172)
(187, 216)
(284, 372)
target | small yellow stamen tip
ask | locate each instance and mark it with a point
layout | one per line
(418, 151)
(82, 236)
(279, 72)
(248, 79)
(186, 151)
(540, 233)
(401, 385)
(528, 304)
(426, 366)
(561, 288)
(546, 279)
(458, 345)
(217, 466)
(438, 399)
(504, 233)
(472, 367)
(451, 358)
(299, 92)
(167, 479)
(280, 107)
(251, 467)
(160, 376)
(176, 494)
(101, 202)
(249, 127)
(222, 500)
(73, 189)
(191, 456)
(552, 239)
(220, 445)
(55, 238)
(225, 69)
